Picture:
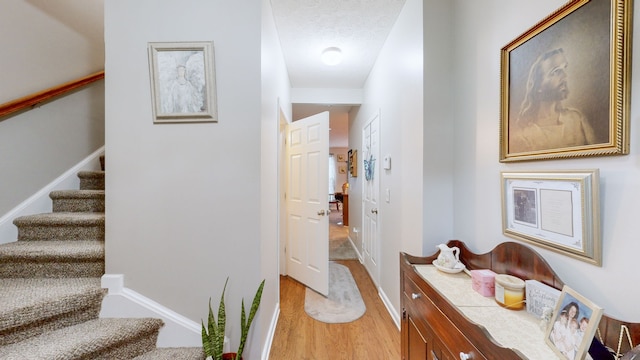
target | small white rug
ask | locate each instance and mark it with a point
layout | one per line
(344, 303)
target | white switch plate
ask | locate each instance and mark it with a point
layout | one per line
(386, 162)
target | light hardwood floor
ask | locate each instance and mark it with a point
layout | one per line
(298, 336)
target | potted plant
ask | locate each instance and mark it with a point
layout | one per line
(213, 333)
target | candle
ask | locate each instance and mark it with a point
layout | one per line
(509, 291)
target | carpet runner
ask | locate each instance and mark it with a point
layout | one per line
(344, 303)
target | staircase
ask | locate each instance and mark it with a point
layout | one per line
(50, 292)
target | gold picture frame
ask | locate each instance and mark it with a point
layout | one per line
(556, 210)
(568, 74)
(573, 325)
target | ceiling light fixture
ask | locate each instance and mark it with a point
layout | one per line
(332, 56)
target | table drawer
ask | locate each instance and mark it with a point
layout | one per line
(449, 335)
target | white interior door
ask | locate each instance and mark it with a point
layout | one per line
(370, 197)
(307, 199)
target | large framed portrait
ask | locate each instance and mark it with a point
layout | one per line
(183, 85)
(573, 325)
(557, 210)
(565, 84)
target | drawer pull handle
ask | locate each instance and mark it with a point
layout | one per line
(415, 296)
(464, 356)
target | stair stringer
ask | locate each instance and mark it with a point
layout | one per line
(122, 302)
(40, 202)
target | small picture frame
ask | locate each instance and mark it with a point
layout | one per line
(556, 210)
(573, 325)
(353, 162)
(183, 85)
(342, 158)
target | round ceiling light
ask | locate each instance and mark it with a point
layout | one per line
(332, 56)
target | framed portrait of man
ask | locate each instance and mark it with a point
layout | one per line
(565, 87)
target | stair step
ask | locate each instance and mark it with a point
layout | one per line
(61, 226)
(29, 307)
(186, 353)
(77, 200)
(52, 259)
(95, 339)
(91, 180)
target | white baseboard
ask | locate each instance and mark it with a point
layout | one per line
(272, 332)
(178, 330)
(387, 303)
(40, 201)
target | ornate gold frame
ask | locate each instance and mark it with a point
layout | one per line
(569, 27)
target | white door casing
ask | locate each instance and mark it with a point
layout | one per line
(307, 199)
(371, 196)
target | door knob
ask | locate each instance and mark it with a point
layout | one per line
(374, 211)
(321, 212)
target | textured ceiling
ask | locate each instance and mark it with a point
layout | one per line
(307, 27)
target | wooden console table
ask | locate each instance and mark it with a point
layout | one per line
(442, 317)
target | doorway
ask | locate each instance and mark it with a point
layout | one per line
(339, 146)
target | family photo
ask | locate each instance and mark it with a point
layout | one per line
(573, 325)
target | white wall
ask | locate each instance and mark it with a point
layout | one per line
(394, 88)
(275, 100)
(42, 48)
(438, 140)
(480, 30)
(47, 43)
(185, 200)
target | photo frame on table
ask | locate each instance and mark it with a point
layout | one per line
(573, 325)
(568, 74)
(556, 210)
(183, 82)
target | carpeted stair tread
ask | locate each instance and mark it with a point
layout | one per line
(91, 180)
(52, 259)
(31, 306)
(77, 200)
(61, 218)
(94, 339)
(47, 250)
(190, 353)
(61, 226)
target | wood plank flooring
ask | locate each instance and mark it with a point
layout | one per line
(298, 336)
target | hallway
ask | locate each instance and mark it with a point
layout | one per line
(374, 336)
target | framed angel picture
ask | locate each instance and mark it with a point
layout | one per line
(183, 82)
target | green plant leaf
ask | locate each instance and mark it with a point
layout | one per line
(245, 326)
(209, 337)
(222, 320)
(213, 333)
